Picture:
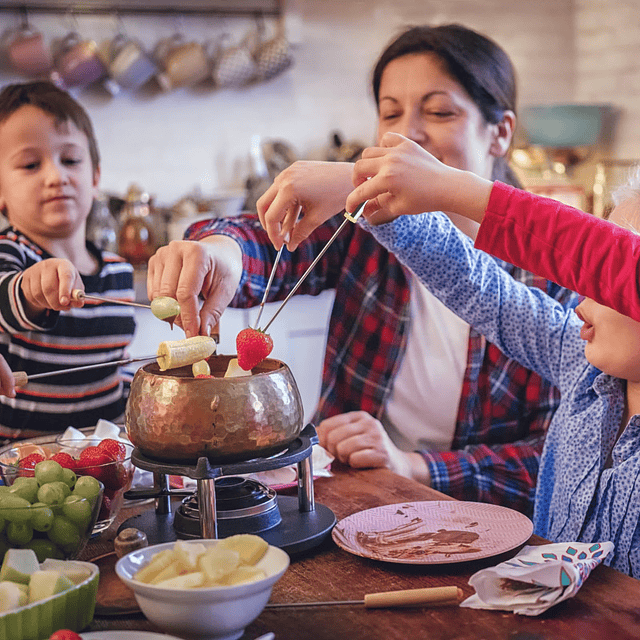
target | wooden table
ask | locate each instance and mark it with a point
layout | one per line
(607, 607)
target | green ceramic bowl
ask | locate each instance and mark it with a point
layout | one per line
(71, 609)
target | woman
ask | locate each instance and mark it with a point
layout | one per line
(406, 384)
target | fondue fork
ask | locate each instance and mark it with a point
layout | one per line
(78, 294)
(266, 291)
(21, 378)
(426, 597)
(349, 217)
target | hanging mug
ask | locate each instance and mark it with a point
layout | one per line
(235, 66)
(273, 56)
(185, 64)
(77, 62)
(28, 52)
(129, 65)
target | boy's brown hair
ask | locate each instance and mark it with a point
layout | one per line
(54, 101)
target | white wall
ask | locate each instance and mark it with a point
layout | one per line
(170, 143)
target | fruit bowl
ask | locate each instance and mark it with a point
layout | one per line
(71, 609)
(209, 613)
(46, 514)
(113, 469)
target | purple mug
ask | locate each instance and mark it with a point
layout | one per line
(78, 62)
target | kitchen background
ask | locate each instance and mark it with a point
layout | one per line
(198, 140)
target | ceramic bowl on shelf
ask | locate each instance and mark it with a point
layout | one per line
(211, 613)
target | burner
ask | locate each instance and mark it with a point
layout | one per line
(242, 506)
(226, 504)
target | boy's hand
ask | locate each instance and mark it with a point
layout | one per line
(187, 270)
(316, 189)
(7, 385)
(48, 285)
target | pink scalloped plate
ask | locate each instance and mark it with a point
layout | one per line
(432, 532)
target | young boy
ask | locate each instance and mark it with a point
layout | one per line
(589, 481)
(49, 169)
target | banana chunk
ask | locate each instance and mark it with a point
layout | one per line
(178, 353)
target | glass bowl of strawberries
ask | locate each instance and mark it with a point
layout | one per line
(109, 461)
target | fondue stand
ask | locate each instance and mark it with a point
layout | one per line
(227, 503)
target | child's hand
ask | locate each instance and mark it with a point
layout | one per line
(48, 285)
(317, 189)
(399, 177)
(7, 385)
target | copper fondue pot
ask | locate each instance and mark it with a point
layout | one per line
(173, 416)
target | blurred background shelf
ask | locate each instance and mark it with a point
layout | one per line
(222, 7)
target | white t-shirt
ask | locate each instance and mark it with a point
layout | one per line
(422, 408)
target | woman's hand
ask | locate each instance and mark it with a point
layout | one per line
(185, 270)
(359, 440)
(318, 190)
(48, 285)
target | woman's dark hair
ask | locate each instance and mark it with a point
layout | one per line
(56, 102)
(480, 66)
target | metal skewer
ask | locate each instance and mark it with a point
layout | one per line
(77, 294)
(266, 291)
(21, 378)
(349, 217)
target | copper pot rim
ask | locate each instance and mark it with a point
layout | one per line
(265, 368)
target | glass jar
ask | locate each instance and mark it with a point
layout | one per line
(102, 227)
(137, 241)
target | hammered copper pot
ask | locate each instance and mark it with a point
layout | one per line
(175, 417)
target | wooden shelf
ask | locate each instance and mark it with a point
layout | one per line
(211, 7)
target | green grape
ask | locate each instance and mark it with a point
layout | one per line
(4, 489)
(69, 477)
(87, 486)
(14, 508)
(44, 548)
(41, 516)
(52, 493)
(19, 533)
(77, 509)
(48, 471)
(64, 533)
(26, 488)
(64, 487)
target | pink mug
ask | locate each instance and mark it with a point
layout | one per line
(29, 54)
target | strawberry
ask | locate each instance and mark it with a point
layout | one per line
(94, 462)
(253, 347)
(28, 463)
(105, 508)
(113, 448)
(64, 460)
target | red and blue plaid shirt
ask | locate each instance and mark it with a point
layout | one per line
(504, 408)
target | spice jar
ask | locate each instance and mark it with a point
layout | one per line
(137, 241)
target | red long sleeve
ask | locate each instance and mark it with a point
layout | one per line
(574, 249)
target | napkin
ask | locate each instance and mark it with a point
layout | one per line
(537, 578)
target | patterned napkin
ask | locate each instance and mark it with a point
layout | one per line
(537, 578)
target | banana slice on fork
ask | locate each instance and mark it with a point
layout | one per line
(178, 353)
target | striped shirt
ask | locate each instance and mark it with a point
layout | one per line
(57, 340)
(504, 408)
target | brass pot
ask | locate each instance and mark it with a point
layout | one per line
(175, 417)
